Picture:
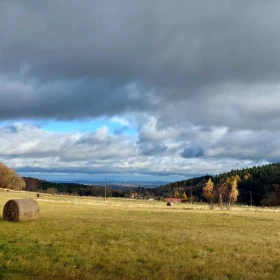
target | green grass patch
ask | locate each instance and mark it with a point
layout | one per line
(89, 238)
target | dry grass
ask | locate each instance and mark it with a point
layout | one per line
(89, 238)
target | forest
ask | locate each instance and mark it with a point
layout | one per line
(258, 185)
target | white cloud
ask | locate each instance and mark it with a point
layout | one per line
(121, 120)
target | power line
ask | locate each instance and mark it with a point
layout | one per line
(253, 193)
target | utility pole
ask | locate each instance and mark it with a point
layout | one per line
(251, 198)
(105, 190)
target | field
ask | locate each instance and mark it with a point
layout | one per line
(89, 238)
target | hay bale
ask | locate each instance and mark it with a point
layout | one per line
(169, 204)
(20, 210)
(39, 195)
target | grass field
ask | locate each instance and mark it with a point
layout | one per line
(89, 238)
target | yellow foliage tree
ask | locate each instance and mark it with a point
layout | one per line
(9, 179)
(208, 192)
(228, 191)
(184, 196)
(233, 193)
(247, 176)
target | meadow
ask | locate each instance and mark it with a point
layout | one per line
(89, 238)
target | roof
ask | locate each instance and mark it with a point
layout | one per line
(171, 199)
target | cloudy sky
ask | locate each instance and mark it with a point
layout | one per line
(142, 90)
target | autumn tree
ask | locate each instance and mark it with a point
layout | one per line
(247, 176)
(233, 193)
(184, 196)
(9, 179)
(224, 193)
(208, 192)
(227, 191)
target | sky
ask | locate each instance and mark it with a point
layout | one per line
(138, 90)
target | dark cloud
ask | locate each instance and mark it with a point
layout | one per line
(69, 100)
(191, 152)
(150, 149)
(74, 61)
(153, 42)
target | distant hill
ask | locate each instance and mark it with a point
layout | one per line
(119, 184)
(94, 188)
(258, 182)
(37, 185)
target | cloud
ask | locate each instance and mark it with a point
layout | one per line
(29, 147)
(190, 152)
(197, 82)
(152, 149)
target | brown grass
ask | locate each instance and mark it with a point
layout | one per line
(20, 210)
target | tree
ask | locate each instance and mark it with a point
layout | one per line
(9, 179)
(208, 192)
(109, 193)
(176, 194)
(247, 176)
(128, 193)
(227, 192)
(184, 196)
(233, 193)
(237, 178)
(51, 190)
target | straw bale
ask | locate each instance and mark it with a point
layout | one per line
(20, 210)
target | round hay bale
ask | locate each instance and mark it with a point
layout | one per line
(169, 204)
(20, 210)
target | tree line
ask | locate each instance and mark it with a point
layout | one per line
(37, 185)
(258, 185)
(224, 194)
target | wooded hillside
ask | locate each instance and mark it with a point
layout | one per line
(261, 183)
